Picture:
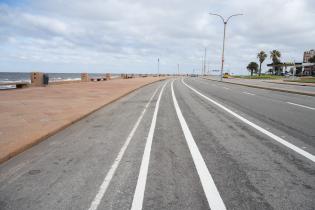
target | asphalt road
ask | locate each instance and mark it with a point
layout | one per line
(184, 144)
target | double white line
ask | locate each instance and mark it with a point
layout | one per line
(100, 194)
(142, 178)
(211, 192)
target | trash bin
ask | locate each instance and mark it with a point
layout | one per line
(46, 79)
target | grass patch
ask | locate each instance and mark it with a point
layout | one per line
(267, 76)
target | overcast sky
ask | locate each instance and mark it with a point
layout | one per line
(129, 35)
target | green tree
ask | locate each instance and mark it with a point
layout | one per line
(261, 57)
(252, 67)
(312, 59)
(275, 56)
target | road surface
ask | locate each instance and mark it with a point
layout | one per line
(186, 143)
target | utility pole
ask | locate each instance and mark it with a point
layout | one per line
(202, 66)
(294, 69)
(178, 69)
(225, 23)
(158, 67)
(204, 62)
(208, 67)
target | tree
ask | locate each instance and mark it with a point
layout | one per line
(252, 67)
(261, 57)
(312, 59)
(275, 57)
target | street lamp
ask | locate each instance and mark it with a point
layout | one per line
(158, 67)
(224, 22)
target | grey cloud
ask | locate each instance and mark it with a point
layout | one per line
(134, 33)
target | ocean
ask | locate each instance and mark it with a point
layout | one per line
(7, 77)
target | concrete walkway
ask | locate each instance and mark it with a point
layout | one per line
(284, 82)
(266, 84)
(30, 115)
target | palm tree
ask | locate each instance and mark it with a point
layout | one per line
(252, 67)
(275, 57)
(261, 56)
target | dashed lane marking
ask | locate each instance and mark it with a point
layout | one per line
(252, 94)
(307, 107)
(257, 127)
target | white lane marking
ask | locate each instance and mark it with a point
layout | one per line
(142, 178)
(307, 107)
(226, 88)
(111, 172)
(252, 94)
(213, 196)
(262, 130)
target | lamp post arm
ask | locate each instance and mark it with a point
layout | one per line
(232, 16)
(218, 16)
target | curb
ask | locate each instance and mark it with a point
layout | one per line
(44, 137)
(266, 88)
(290, 83)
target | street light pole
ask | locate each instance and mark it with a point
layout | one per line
(225, 23)
(158, 65)
(222, 59)
(204, 62)
(294, 69)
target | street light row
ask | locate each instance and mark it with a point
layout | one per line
(225, 21)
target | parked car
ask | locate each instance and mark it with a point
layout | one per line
(226, 75)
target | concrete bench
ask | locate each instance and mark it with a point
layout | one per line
(98, 79)
(18, 85)
(21, 85)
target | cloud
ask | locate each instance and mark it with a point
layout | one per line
(129, 35)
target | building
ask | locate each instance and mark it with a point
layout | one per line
(284, 68)
(309, 68)
(308, 55)
(301, 69)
